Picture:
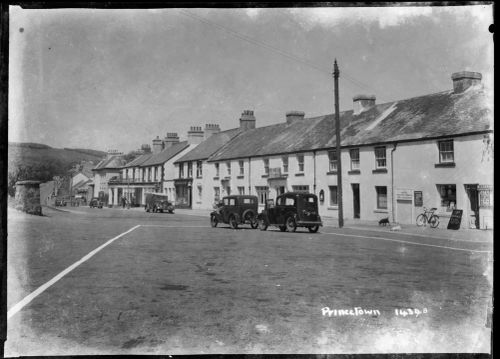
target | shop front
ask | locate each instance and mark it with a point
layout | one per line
(183, 193)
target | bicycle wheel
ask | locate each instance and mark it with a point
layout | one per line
(421, 220)
(434, 221)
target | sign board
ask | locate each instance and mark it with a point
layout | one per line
(455, 219)
(419, 198)
(404, 194)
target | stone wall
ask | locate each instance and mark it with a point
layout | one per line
(28, 197)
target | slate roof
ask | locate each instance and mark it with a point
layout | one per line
(113, 162)
(139, 160)
(165, 155)
(209, 146)
(431, 116)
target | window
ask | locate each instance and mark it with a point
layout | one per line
(232, 201)
(149, 174)
(300, 161)
(289, 201)
(228, 190)
(217, 194)
(181, 170)
(380, 157)
(332, 159)
(354, 158)
(242, 169)
(304, 189)
(241, 190)
(262, 193)
(228, 165)
(190, 169)
(156, 174)
(381, 197)
(199, 169)
(200, 192)
(284, 159)
(448, 193)
(216, 170)
(266, 166)
(248, 200)
(446, 151)
(333, 196)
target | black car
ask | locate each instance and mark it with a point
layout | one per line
(96, 203)
(292, 210)
(235, 210)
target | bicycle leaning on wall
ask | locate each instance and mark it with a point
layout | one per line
(428, 217)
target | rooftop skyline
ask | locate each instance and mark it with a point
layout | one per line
(116, 79)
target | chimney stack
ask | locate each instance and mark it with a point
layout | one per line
(145, 148)
(113, 153)
(247, 120)
(171, 139)
(292, 116)
(157, 145)
(465, 79)
(195, 135)
(211, 129)
(362, 103)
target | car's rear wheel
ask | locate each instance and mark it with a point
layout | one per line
(233, 222)
(313, 229)
(171, 211)
(213, 221)
(282, 228)
(291, 226)
(262, 224)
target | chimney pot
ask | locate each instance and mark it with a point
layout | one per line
(464, 79)
(362, 103)
(247, 120)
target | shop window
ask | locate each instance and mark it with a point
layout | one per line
(354, 153)
(333, 195)
(380, 157)
(448, 194)
(284, 160)
(300, 161)
(381, 197)
(332, 160)
(446, 154)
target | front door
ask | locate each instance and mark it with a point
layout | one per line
(473, 205)
(355, 199)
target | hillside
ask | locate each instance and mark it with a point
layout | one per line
(41, 162)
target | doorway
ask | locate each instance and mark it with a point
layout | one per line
(471, 190)
(355, 199)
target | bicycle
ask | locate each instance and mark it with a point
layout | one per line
(428, 217)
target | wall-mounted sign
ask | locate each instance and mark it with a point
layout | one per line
(404, 194)
(418, 198)
(455, 219)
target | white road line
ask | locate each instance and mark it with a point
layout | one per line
(16, 308)
(407, 242)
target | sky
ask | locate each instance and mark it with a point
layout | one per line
(115, 79)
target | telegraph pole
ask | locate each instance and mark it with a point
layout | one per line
(337, 152)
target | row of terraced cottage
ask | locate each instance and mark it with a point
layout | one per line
(429, 151)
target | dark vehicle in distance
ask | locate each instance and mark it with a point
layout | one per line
(96, 203)
(292, 210)
(156, 202)
(60, 202)
(236, 210)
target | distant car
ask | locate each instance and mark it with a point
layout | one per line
(292, 210)
(96, 202)
(156, 202)
(60, 203)
(236, 210)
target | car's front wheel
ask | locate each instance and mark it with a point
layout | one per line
(213, 221)
(282, 228)
(313, 229)
(262, 224)
(291, 226)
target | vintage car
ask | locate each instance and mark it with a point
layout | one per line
(236, 210)
(96, 202)
(292, 210)
(156, 202)
(60, 202)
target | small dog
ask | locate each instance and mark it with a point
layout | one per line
(383, 222)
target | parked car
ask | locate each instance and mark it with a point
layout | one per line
(236, 210)
(292, 210)
(96, 203)
(60, 202)
(156, 202)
